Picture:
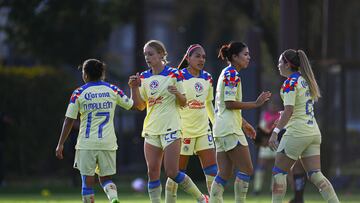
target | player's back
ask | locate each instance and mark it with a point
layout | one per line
(295, 92)
(96, 103)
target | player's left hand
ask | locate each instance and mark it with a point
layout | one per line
(59, 151)
(249, 131)
(172, 89)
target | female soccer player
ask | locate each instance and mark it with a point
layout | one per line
(196, 133)
(302, 138)
(96, 143)
(231, 145)
(161, 92)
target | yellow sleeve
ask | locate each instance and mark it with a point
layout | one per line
(210, 111)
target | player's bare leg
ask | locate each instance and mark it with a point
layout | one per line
(153, 157)
(245, 167)
(313, 168)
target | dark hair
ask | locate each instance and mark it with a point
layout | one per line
(184, 63)
(94, 69)
(228, 50)
(298, 61)
(291, 56)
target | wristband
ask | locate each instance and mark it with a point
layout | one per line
(276, 130)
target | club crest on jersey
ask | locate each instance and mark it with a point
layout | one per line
(154, 84)
(198, 87)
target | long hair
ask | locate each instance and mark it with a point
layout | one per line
(184, 63)
(299, 61)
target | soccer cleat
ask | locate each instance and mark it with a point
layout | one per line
(205, 199)
(115, 201)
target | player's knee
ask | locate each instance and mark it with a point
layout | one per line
(318, 179)
(243, 176)
(104, 179)
(171, 173)
(249, 170)
(153, 173)
(279, 185)
(211, 170)
(88, 181)
(87, 185)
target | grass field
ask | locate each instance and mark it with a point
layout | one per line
(131, 197)
(55, 191)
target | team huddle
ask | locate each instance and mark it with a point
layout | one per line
(179, 109)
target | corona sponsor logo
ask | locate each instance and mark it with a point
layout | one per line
(89, 95)
(152, 101)
(195, 104)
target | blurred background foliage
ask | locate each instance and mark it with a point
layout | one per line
(36, 99)
(66, 31)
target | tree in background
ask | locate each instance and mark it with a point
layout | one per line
(63, 32)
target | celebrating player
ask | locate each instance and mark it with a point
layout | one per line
(160, 91)
(196, 133)
(231, 145)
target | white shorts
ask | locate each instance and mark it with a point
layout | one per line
(101, 162)
(229, 142)
(162, 141)
(296, 147)
(190, 146)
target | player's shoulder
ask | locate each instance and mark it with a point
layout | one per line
(231, 76)
(206, 75)
(230, 71)
(145, 74)
(173, 73)
(115, 89)
(291, 82)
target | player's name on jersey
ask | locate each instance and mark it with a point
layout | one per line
(93, 106)
(90, 95)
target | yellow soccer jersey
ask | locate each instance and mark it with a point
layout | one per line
(228, 89)
(162, 112)
(96, 102)
(295, 92)
(194, 117)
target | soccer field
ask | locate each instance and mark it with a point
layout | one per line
(143, 198)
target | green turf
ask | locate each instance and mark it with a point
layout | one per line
(142, 198)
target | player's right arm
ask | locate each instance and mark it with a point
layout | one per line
(67, 125)
(70, 116)
(134, 84)
(263, 97)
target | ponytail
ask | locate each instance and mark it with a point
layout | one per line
(224, 52)
(307, 73)
(183, 63)
(228, 50)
